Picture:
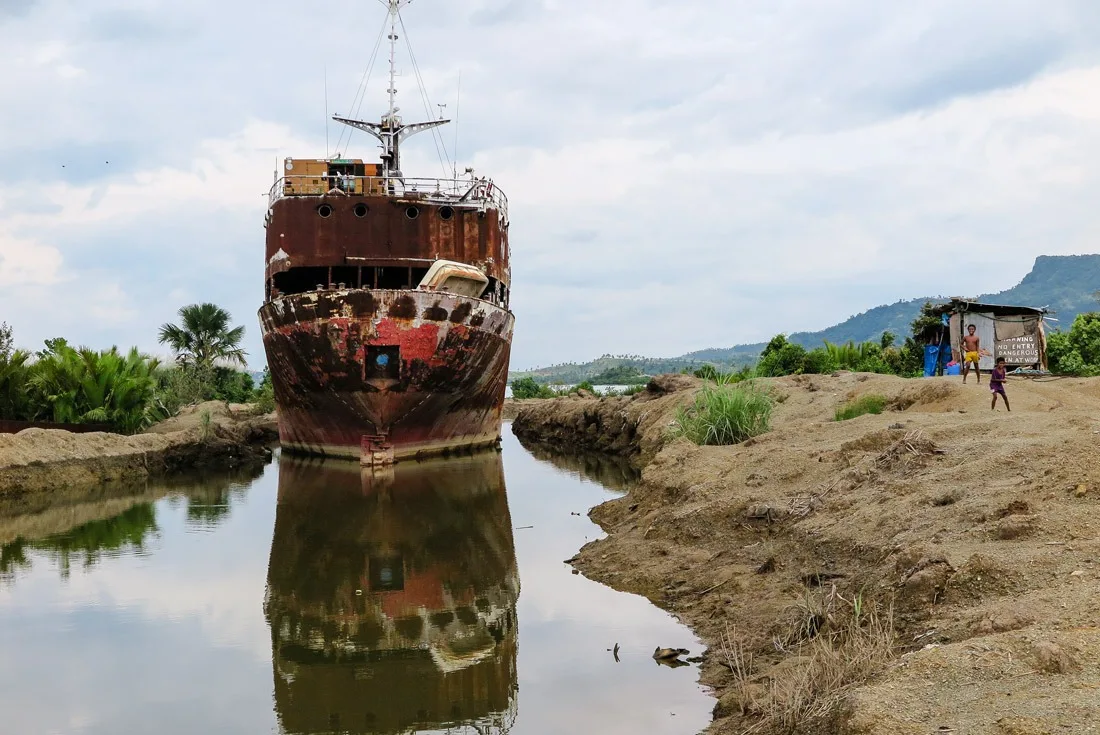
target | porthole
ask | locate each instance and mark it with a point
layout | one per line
(324, 210)
(360, 210)
(446, 213)
(412, 212)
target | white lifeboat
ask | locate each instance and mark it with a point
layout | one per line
(457, 278)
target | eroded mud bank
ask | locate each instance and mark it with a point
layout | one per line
(975, 532)
(39, 464)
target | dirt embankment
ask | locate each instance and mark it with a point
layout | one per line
(42, 459)
(979, 529)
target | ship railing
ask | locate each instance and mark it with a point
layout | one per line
(481, 194)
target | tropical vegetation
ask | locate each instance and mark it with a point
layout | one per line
(527, 387)
(127, 390)
(76, 386)
(624, 374)
(725, 414)
(1076, 352)
(204, 337)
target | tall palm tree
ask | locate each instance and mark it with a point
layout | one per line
(204, 336)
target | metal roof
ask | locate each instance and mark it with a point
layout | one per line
(958, 304)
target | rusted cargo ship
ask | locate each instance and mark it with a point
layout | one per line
(386, 321)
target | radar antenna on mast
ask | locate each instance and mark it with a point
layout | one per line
(391, 130)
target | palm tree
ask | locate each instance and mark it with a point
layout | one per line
(14, 370)
(204, 336)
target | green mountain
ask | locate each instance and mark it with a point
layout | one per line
(571, 373)
(1065, 284)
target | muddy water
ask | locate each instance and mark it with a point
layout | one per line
(314, 599)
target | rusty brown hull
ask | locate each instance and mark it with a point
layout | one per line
(423, 372)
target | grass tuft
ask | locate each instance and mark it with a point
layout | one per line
(873, 403)
(206, 426)
(725, 414)
(851, 641)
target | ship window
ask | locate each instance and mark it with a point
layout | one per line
(300, 280)
(446, 213)
(346, 274)
(383, 361)
(387, 573)
(360, 210)
(394, 277)
(324, 210)
(412, 212)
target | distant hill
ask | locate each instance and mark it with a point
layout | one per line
(1065, 284)
(570, 373)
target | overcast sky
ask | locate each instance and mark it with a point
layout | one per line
(682, 174)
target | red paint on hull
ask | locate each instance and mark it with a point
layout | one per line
(425, 370)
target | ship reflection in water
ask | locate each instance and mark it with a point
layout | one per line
(391, 598)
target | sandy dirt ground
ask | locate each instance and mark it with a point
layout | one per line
(36, 460)
(976, 532)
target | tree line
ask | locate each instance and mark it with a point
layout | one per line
(129, 390)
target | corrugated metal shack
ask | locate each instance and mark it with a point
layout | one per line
(1016, 333)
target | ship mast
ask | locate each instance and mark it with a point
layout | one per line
(391, 131)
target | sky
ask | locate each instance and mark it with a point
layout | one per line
(681, 175)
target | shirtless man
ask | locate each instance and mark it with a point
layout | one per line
(972, 349)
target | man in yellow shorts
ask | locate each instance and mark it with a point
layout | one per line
(972, 352)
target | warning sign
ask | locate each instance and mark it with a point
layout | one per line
(1018, 350)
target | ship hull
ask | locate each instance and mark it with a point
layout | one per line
(380, 375)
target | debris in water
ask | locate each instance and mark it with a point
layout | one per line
(667, 654)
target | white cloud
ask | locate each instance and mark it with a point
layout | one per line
(670, 167)
(26, 262)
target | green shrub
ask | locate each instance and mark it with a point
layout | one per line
(1076, 352)
(864, 404)
(185, 385)
(86, 386)
(620, 375)
(264, 397)
(15, 402)
(633, 390)
(781, 357)
(725, 414)
(232, 386)
(819, 362)
(527, 388)
(709, 372)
